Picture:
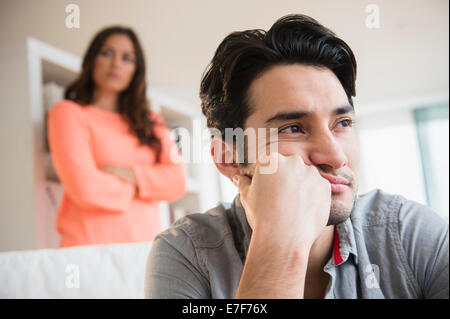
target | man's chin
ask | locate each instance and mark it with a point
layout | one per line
(340, 208)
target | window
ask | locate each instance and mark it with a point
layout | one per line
(432, 126)
(390, 154)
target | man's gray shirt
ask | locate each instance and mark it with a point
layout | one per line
(390, 247)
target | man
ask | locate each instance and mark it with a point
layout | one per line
(300, 231)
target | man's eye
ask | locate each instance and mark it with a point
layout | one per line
(346, 123)
(291, 129)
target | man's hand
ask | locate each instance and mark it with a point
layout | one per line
(293, 203)
(287, 211)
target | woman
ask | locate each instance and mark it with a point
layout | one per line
(111, 152)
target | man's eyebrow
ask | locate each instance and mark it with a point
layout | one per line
(344, 110)
(286, 116)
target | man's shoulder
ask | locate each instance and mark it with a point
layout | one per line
(407, 240)
(203, 230)
(378, 207)
(382, 216)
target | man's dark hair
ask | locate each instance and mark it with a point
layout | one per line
(242, 56)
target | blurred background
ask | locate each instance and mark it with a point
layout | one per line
(402, 50)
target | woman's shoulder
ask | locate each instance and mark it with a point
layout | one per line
(67, 106)
(66, 110)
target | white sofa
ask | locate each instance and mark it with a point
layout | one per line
(101, 271)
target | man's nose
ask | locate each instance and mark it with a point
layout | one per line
(326, 150)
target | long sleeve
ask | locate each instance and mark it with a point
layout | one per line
(165, 180)
(84, 182)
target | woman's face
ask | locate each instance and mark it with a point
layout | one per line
(115, 64)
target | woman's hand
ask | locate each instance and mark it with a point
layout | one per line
(124, 173)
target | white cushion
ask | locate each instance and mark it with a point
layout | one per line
(100, 271)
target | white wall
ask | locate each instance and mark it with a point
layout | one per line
(16, 145)
(407, 56)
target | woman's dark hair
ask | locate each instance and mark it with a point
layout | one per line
(242, 56)
(133, 103)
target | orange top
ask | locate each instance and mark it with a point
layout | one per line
(98, 207)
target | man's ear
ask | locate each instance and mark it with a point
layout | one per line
(224, 156)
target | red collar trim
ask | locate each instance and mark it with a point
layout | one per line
(336, 249)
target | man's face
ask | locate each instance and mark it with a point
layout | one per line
(316, 124)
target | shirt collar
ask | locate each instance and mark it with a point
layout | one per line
(344, 243)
